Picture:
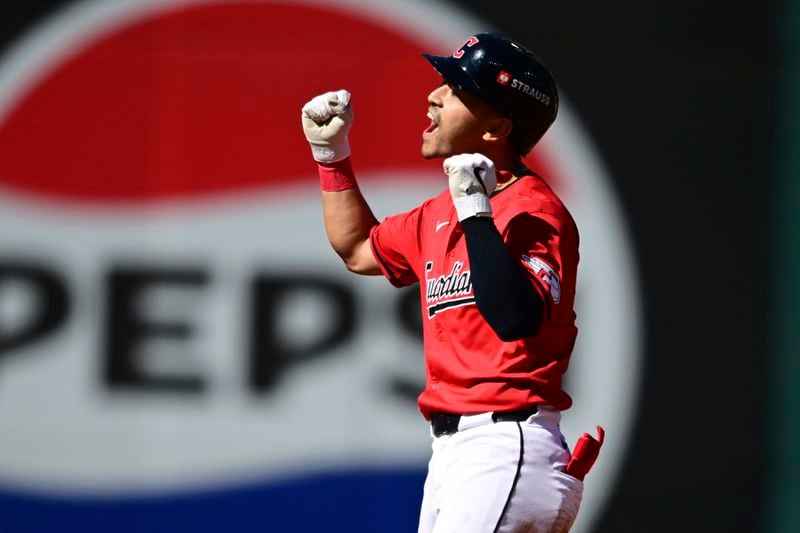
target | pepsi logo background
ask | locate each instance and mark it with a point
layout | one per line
(179, 344)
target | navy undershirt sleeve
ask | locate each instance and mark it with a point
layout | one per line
(503, 293)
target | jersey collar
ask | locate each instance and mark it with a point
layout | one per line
(506, 179)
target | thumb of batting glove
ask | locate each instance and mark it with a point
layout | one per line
(326, 120)
(472, 180)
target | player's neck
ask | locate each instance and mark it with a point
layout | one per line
(504, 159)
(512, 168)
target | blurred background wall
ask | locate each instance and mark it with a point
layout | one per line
(179, 350)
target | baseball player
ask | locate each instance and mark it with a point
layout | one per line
(495, 256)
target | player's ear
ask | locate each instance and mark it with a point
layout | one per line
(498, 128)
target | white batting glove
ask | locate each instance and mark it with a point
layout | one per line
(472, 180)
(326, 120)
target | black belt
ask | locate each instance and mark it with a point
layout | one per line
(447, 424)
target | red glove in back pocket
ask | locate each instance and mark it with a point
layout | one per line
(585, 454)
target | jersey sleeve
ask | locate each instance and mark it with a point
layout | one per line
(395, 244)
(536, 242)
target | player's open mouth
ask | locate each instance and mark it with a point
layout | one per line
(433, 125)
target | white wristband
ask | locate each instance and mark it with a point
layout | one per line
(474, 205)
(330, 153)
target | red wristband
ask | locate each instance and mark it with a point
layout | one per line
(338, 176)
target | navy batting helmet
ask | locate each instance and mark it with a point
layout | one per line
(508, 77)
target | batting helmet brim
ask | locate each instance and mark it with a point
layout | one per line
(453, 73)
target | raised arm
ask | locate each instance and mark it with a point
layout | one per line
(348, 219)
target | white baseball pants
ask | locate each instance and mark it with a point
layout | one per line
(505, 477)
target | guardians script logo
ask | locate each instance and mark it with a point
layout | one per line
(446, 292)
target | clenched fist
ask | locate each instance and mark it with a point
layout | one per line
(472, 181)
(326, 120)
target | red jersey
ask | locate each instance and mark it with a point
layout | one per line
(469, 369)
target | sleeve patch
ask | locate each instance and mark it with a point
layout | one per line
(546, 274)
